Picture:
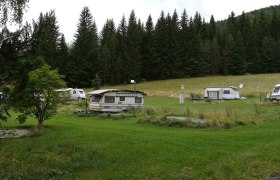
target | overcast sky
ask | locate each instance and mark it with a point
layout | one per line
(68, 11)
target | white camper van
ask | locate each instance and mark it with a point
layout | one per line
(275, 95)
(114, 100)
(71, 93)
(221, 92)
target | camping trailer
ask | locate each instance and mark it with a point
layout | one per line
(275, 94)
(221, 92)
(71, 93)
(114, 100)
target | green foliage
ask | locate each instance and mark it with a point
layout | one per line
(45, 38)
(84, 53)
(96, 83)
(12, 10)
(174, 47)
(40, 98)
(110, 67)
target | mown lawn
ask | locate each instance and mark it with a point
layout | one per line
(95, 147)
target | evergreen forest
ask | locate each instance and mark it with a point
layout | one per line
(173, 46)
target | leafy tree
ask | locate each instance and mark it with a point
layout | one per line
(15, 8)
(14, 52)
(40, 97)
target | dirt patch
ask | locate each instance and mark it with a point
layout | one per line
(275, 176)
(14, 133)
(181, 118)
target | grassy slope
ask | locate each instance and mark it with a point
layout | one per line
(253, 84)
(108, 148)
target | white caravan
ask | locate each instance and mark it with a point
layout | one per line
(113, 100)
(71, 94)
(275, 95)
(221, 92)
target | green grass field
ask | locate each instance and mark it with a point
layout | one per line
(104, 147)
(254, 85)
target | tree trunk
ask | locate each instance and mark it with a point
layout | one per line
(40, 124)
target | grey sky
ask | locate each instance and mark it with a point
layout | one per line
(68, 11)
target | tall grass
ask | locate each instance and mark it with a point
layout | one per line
(218, 114)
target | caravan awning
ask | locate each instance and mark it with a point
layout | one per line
(102, 91)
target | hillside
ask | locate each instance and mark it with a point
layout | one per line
(254, 85)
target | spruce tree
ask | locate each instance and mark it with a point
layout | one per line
(185, 44)
(133, 57)
(109, 69)
(46, 37)
(62, 55)
(84, 54)
(212, 28)
(121, 43)
(161, 45)
(150, 60)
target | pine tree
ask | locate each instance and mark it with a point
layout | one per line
(63, 55)
(269, 55)
(84, 54)
(212, 28)
(185, 44)
(121, 42)
(161, 45)
(232, 25)
(108, 54)
(275, 24)
(150, 60)
(133, 58)
(195, 46)
(46, 37)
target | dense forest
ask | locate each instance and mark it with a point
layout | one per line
(175, 46)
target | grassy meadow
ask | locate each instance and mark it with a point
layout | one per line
(241, 141)
(254, 85)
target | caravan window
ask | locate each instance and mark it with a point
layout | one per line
(74, 92)
(109, 99)
(122, 98)
(226, 91)
(81, 92)
(95, 98)
(276, 90)
(138, 100)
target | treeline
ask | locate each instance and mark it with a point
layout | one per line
(175, 46)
